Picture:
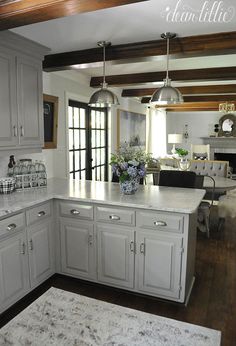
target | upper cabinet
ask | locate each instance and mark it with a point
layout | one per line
(21, 93)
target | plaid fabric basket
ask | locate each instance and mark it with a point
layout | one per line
(7, 185)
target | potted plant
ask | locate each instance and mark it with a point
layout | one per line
(128, 163)
(183, 163)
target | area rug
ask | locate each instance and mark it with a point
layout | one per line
(61, 318)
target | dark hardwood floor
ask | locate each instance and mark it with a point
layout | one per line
(213, 300)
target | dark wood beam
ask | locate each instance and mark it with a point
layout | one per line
(190, 46)
(24, 12)
(208, 74)
(188, 90)
(201, 98)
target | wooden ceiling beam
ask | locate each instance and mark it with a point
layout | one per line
(194, 107)
(24, 12)
(188, 90)
(208, 74)
(202, 98)
(190, 46)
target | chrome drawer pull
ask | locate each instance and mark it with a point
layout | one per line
(31, 246)
(114, 217)
(22, 251)
(41, 213)
(142, 248)
(131, 246)
(11, 227)
(15, 131)
(160, 223)
(75, 212)
(90, 240)
(22, 131)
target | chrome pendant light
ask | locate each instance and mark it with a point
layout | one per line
(103, 97)
(167, 94)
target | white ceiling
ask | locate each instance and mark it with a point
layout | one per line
(135, 23)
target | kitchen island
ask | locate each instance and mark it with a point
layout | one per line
(144, 242)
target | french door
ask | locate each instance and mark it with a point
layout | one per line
(88, 142)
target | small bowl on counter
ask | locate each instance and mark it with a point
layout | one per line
(7, 185)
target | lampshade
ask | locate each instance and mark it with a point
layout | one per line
(167, 94)
(103, 97)
(175, 138)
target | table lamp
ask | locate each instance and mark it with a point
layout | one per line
(174, 138)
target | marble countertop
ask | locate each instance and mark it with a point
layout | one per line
(147, 197)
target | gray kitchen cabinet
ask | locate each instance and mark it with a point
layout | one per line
(159, 259)
(78, 248)
(14, 270)
(21, 93)
(116, 246)
(40, 239)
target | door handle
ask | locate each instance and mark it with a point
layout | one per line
(22, 131)
(22, 251)
(90, 240)
(31, 246)
(132, 246)
(114, 217)
(15, 131)
(41, 213)
(75, 212)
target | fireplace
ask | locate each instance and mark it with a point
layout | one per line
(227, 157)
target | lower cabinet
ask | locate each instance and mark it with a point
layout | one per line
(159, 263)
(41, 254)
(78, 248)
(116, 247)
(14, 271)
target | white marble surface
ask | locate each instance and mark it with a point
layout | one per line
(148, 197)
(62, 318)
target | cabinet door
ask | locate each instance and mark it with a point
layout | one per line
(8, 109)
(78, 248)
(159, 263)
(116, 255)
(29, 96)
(41, 254)
(14, 271)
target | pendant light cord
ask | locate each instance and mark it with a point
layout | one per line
(104, 64)
(167, 58)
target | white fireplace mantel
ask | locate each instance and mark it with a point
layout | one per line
(220, 145)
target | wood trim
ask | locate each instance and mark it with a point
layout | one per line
(193, 107)
(24, 12)
(53, 99)
(207, 74)
(188, 90)
(201, 98)
(189, 46)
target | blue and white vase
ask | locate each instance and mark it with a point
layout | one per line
(129, 187)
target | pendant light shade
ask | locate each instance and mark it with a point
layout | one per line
(167, 94)
(103, 97)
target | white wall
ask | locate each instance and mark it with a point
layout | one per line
(200, 124)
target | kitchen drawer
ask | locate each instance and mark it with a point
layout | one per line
(38, 213)
(160, 221)
(12, 224)
(116, 216)
(76, 210)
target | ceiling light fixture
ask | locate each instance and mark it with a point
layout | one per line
(167, 94)
(103, 97)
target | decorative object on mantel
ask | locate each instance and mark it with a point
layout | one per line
(227, 125)
(103, 97)
(167, 94)
(226, 107)
(216, 129)
(63, 318)
(129, 165)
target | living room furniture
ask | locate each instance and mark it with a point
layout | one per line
(200, 151)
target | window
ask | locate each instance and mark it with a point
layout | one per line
(88, 142)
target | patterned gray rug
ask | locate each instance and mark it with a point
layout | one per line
(61, 318)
